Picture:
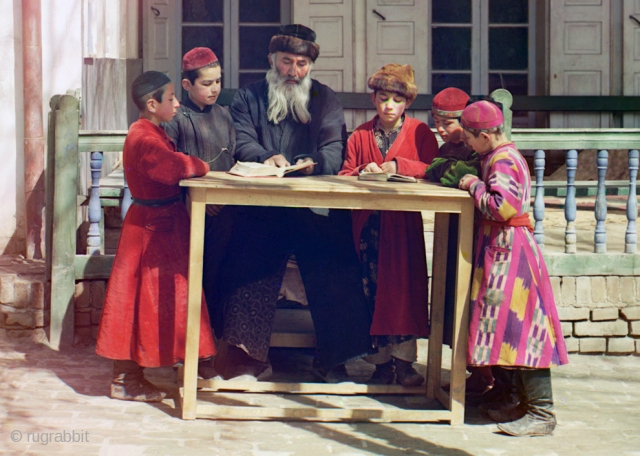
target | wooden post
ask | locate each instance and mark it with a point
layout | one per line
(505, 97)
(538, 204)
(63, 248)
(438, 291)
(600, 234)
(194, 302)
(570, 203)
(631, 236)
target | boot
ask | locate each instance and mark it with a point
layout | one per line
(241, 366)
(539, 418)
(514, 402)
(383, 375)
(502, 396)
(406, 375)
(206, 371)
(129, 384)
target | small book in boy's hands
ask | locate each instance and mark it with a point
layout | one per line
(383, 177)
(252, 169)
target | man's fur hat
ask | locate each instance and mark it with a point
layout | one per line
(395, 78)
(295, 39)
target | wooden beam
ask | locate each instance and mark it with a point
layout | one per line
(343, 388)
(352, 100)
(592, 264)
(93, 267)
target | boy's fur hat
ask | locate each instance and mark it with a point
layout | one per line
(449, 102)
(198, 58)
(395, 78)
(295, 39)
(482, 116)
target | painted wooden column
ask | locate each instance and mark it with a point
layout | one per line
(600, 234)
(631, 236)
(570, 203)
(538, 204)
(33, 127)
(63, 224)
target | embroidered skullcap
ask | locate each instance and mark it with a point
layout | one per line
(395, 78)
(295, 39)
(449, 102)
(482, 115)
(148, 82)
(197, 58)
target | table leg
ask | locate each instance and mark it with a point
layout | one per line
(438, 276)
(194, 303)
(461, 314)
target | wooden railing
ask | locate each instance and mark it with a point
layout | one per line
(66, 143)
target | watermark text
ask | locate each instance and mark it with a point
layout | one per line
(44, 438)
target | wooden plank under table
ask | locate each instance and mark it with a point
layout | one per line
(343, 192)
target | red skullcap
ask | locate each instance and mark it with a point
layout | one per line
(197, 58)
(482, 115)
(449, 102)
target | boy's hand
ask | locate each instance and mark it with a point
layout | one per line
(372, 168)
(277, 160)
(309, 169)
(390, 167)
(466, 181)
(213, 209)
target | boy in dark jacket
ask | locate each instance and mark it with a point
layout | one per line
(203, 129)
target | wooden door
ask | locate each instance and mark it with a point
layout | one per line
(631, 56)
(580, 57)
(161, 42)
(397, 32)
(332, 20)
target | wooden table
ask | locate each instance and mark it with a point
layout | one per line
(345, 193)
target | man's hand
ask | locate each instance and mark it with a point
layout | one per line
(214, 209)
(309, 169)
(466, 181)
(277, 160)
(390, 167)
(372, 168)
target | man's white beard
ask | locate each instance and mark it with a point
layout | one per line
(288, 98)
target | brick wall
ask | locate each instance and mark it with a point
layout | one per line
(23, 298)
(599, 314)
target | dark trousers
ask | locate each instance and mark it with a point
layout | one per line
(217, 235)
(263, 239)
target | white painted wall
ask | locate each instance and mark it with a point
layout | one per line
(62, 60)
(11, 128)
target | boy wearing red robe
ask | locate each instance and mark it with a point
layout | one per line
(143, 321)
(391, 243)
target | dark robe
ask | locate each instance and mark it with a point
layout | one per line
(401, 298)
(265, 237)
(209, 135)
(144, 317)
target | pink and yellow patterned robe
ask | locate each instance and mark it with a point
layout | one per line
(514, 321)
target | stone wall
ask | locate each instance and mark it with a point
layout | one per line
(599, 314)
(23, 298)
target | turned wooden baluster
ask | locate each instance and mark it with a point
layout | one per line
(631, 236)
(538, 203)
(570, 203)
(600, 234)
(95, 210)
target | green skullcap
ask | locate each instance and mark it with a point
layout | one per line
(148, 82)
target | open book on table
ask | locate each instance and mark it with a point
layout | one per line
(252, 169)
(382, 177)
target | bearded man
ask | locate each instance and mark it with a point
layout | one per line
(284, 119)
